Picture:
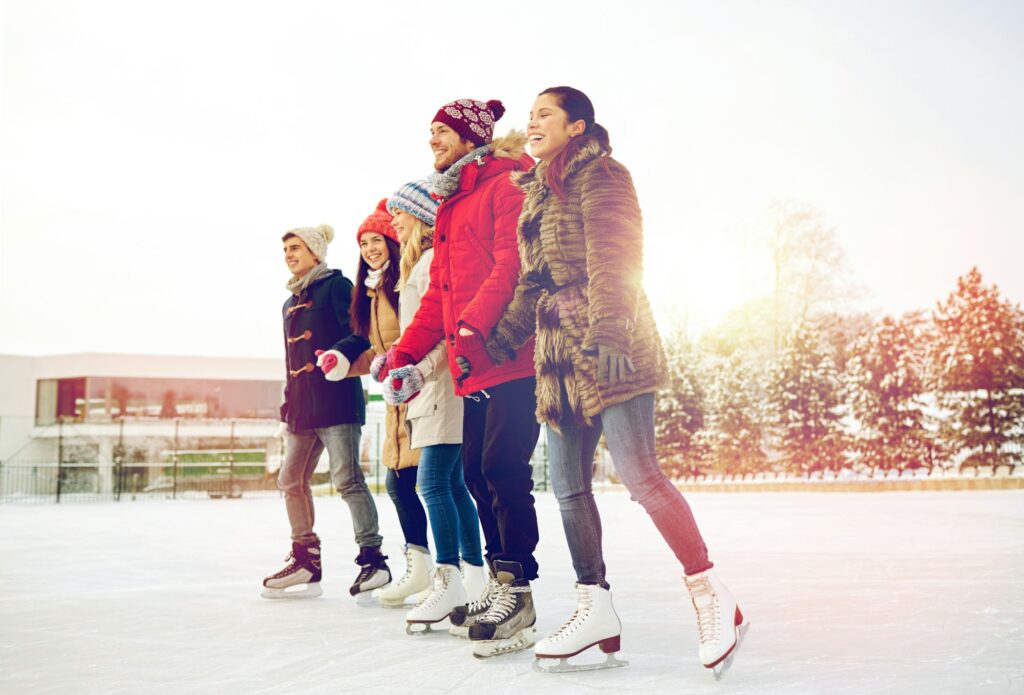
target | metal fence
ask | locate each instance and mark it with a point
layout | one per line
(137, 459)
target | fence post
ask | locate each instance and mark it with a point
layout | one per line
(60, 454)
(231, 463)
(377, 442)
(174, 458)
(118, 462)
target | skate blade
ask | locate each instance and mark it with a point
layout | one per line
(420, 628)
(484, 649)
(366, 599)
(721, 667)
(297, 591)
(563, 665)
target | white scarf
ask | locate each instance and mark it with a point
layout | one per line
(373, 276)
(297, 285)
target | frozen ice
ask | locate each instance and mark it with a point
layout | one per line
(901, 592)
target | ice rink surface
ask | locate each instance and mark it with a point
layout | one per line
(919, 592)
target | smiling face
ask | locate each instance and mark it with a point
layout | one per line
(373, 249)
(549, 128)
(403, 223)
(297, 256)
(447, 145)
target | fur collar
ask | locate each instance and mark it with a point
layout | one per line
(512, 146)
(532, 181)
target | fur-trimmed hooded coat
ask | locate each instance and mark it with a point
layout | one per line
(475, 268)
(580, 287)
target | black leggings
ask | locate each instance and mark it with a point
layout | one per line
(411, 515)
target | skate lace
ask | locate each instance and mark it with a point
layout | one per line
(289, 567)
(484, 601)
(407, 577)
(584, 606)
(705, 603)
(365, 572)
(503, 602)
(436, 591)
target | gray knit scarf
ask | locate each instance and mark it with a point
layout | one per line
(445, 183)
(297, 285)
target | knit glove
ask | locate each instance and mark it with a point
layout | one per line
(377, 367)
(613, 366)
(470, 353)
(333, 364)
(405, 384)
(398, 358)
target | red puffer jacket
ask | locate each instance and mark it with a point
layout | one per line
(475, 269)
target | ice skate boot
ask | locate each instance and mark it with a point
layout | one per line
(437, 604)
(720, 623)
(418, 568)
(473, 580)
(300, 578)
(373, 572)
(507, 626)
(464, 616)
(594, 622)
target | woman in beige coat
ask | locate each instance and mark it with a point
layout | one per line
(374, 316)
(433, 420)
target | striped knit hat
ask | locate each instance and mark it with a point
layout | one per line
(378, 222)
(414, 198)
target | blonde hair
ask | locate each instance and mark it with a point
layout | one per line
(420, 239)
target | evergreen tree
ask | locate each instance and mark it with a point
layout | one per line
(679, 409)
(978, 362)
(886, 391)
(804, 398)
(734, 431)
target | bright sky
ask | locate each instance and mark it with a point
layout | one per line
(154, 154)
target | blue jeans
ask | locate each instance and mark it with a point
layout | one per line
(401, 487)
(302, 451)
(453, 517)
(629, 431)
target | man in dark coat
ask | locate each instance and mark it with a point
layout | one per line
(321, 413)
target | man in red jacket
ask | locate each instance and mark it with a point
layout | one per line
(472, 278)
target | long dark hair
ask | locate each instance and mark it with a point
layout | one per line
(579, 108)
(359, 311)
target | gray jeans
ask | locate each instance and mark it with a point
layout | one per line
(629, 430)
(302, 451)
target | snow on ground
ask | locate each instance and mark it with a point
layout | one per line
(847, 593)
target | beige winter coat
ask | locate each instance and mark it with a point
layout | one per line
(435, 415)
(397, 451)
(580, 287)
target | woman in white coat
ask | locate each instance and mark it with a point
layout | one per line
(434, 421)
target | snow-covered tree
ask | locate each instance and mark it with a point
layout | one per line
(978, 362)
(679, 409)
(804, 400)
(735, 422)
(886, 396)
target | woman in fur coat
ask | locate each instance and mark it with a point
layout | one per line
(433, 421)
(599, 362)
(374, 317)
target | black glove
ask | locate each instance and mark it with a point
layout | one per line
(613, 366)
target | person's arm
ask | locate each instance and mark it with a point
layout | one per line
(427, 327)
(613, 234)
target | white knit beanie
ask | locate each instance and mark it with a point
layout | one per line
(316, 239)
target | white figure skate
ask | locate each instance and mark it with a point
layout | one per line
(593, 623)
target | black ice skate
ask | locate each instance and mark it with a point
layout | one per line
(507, 626)
(300, 578)
(373, 571)
(462, 617)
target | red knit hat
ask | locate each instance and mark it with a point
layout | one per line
(472, 119)
(378, 222)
